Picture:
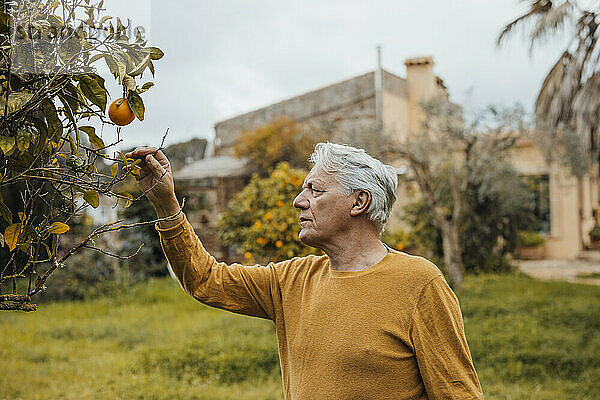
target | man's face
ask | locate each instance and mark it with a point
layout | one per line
(324, 209)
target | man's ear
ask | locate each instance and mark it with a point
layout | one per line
(362, 201)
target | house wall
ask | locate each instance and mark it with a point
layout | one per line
(395, 116)
(342, 108)
(568, 228)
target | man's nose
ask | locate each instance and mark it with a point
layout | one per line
(300, 201)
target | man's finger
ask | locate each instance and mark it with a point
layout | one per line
(161, 157)
(154, 165)
(140, 152)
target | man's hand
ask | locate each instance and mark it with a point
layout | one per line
(156, 181)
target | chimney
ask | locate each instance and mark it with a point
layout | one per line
(421, 85)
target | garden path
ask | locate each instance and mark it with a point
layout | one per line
(584, 269)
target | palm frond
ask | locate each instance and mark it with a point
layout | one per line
(586, 108)
(537, 8)
(547, 98)
(551, 21)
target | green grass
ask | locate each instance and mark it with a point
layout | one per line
(529, 340)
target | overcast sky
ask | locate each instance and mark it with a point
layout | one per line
(227, 57)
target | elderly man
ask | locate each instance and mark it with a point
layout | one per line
(362, 321)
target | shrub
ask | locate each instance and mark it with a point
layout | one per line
(530, 239)
(281, 140)
(488, 233)
(595, 232)
(261, 222)
(86, 276)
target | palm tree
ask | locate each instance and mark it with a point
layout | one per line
(568, 104)
(570, 95)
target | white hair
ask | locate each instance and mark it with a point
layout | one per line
(355, 170)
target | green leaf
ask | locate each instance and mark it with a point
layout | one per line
(122, 157)
(67, 109)
(137, 105)
(48, 251)
(54, 125)
(55, 21)
(114, 169)
(151, 66)
(22, 32)
(145, 87)
(94, 139)
(96, 57)
(5, 22)
(23, 140)
(93, 91)
(141, 66)
(6, 144)
(122, 69)
(71, 96)
(69, 49)
(129, 197)
(11, 236)
(58, 228)
(155, 53)
(24, 247)
(5, 213)
(91, 196)
(16, 101)
(111, 63)
(99, 80)
(120, 26)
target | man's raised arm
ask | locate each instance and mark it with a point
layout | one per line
(249, 290)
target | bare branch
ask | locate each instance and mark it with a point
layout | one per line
(116, 255)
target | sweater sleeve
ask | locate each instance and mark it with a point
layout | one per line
(248, 290)
(440, 345)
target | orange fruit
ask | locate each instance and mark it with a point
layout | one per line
(120, 113)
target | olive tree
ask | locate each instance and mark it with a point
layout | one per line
(459, 166)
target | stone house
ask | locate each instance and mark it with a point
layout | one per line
(365, 111)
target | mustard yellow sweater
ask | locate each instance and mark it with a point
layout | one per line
(392, 331)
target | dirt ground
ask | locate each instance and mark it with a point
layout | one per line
(576, 270)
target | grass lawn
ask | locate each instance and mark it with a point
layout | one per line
(529, 340)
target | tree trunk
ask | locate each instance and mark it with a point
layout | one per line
(452, 254)
(580, 207)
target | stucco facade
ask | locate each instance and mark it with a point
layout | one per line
(571, 203)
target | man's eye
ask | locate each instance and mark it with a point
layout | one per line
(316, 190)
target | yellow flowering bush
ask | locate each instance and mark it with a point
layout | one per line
(282, 139)
(261, 222)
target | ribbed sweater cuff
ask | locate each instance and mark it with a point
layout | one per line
(172, 232)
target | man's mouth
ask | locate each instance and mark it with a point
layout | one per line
(304, 219)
